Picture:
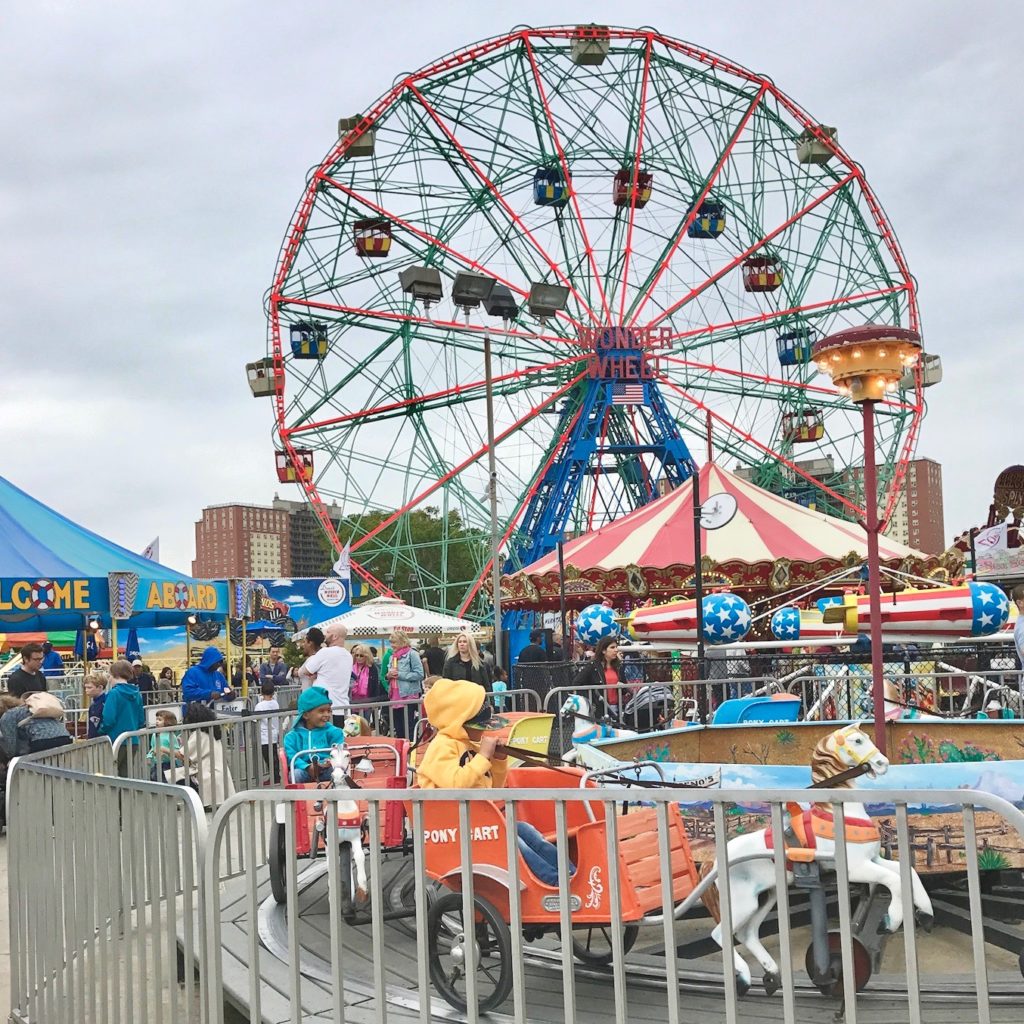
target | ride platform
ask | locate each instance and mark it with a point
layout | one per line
(274, 974)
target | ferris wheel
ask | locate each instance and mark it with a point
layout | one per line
(647, 236)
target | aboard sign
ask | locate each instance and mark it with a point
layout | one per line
(171, 595)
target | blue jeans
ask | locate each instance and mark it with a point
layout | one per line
(314, 773)
(541, 856)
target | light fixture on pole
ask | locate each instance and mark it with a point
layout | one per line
(423, 284)
(470, 289)
(867, 363)
(499, 302)
(190, 621)
(712, 514)
(545, 300)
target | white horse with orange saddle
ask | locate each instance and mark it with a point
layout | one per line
(811, 836)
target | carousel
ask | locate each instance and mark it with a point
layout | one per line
(771, 547)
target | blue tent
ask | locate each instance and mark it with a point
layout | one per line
(54, 573)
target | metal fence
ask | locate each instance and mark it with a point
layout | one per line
(833, 691)
(102, 879)
(348, 954)
(112, 921)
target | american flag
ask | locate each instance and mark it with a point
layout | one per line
(627, 394)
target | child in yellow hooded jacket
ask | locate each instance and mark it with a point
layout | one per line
(464, 755)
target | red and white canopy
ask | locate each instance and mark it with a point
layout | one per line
(764, 529)
(770, 544)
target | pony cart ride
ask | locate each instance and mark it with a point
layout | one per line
(380, 762)
(636, 862)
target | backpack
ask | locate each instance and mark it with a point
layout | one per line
(44, 705)
(42, 733)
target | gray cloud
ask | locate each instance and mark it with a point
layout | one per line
(153, 155)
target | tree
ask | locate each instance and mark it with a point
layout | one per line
(433, 559)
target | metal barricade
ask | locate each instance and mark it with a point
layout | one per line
(287, 697)
(543, 676)
(334, 952)
(645, 706)
(102, 880)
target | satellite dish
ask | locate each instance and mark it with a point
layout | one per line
(717, 510)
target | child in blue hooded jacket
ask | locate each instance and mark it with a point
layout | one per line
(205, 682)
(312, 730)
(122, 711)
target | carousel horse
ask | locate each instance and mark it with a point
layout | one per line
(752, 883)
(586, 729)
(898, 710)
(356, 725)
(350, 818)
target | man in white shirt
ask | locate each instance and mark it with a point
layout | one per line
(330, 666)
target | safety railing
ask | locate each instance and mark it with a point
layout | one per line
(121, 910)
(613, 924)
(643, 707)
(102, 883)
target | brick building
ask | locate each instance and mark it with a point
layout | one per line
(261, 542)
(918, 520)
(248, 541)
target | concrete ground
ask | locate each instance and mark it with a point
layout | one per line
(5, 935)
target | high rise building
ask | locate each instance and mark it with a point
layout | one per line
(310, 553)
(917, 519)
(248, 541)
(261, 542)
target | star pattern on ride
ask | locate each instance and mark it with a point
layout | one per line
(726, 618)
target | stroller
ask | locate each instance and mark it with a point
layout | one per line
(652, 707)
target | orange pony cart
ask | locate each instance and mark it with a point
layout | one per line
(637, 865)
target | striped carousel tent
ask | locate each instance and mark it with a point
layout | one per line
(770, 546)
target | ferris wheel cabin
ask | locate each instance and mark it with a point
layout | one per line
(761, 274)
(287, 472)
(812, 145)
(308, 340)
(794, 347)
(709, 221)
(803, 427)
(372, 237)
(260, 375)
(590, 45)
(549, 187)
(623, 191)
(931, 373)
(361, 145)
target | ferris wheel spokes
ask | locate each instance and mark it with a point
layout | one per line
(516, 219)
(467, 262)
(567, 175)
(751, 249)
(645, 291)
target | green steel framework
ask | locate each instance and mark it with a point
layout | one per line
(394, 412)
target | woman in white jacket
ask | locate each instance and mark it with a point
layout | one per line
(205, 757)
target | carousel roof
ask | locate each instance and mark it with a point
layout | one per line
(765, 528)
(770, 544)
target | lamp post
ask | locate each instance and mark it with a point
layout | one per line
(866, 363)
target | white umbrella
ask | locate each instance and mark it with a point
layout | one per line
(378, 617)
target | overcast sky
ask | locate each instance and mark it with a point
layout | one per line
(153, 154)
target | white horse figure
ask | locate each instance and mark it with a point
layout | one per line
(896, 709)
(350, 819)
(585, 729)
(841, 750)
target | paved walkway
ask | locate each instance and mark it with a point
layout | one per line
(5, 935)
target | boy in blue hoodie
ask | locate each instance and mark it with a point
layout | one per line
(122, 711)
(205, 682)
(312, 730)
